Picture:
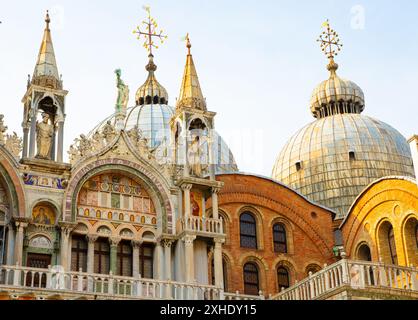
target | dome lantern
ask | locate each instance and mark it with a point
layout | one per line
(151, 92)
(335, 95)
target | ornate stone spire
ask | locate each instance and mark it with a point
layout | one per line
(46, 70)
(151, 92)
(190, 91)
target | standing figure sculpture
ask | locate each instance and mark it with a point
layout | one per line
(123, 93)
(3, 130)
(194, 157)
(44, 135)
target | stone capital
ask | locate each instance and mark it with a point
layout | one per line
(189, 239)
(167, 243)
(114, 241)
(67, 227)
(136, 244)
(92, 238)
(187, 187)
(216, 190)
(219, 241)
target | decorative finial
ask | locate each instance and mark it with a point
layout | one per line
(189, 45)
(151, 31)
(47, 19)
(330, 44)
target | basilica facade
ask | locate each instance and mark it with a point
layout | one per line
(153, 206)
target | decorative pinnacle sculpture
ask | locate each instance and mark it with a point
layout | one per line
(150, 33)
(330, 44)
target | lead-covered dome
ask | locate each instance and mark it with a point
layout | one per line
(333, 159)
(154, 122)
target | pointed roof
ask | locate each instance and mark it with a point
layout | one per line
(46, 70)
(190, 91)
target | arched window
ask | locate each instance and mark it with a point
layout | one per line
(392, 245)
(102, 256)
(248, 231)
(79, 253)
(279, 238)
(146, 261)
(416, 234)
(312, 269)
(124, 259)
(283, 278)
(364, 253)
(251, 280)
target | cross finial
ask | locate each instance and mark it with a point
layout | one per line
(188, 45)
(150, 32)
(47, 19)
(330, 42)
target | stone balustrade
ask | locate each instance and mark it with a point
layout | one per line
(202, 225)
(239, 296)
(99, 285)
(353, 274)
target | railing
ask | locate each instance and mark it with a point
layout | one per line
(238, 296)
(355, 274)
(106, 286)
(201, 225)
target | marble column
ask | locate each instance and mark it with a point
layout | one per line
(60, 150)
(186, 196)
(136, 244)
(189, 257)
(65, 237)
(158, 265)
(25, 141)
(167, 243)
(215, 206)
(114, 242)
(32, 141)
(91, 239)
(212, 160)
(217, 262)
(10, 245)
(19, 242)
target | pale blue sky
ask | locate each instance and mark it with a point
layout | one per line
(257, 61)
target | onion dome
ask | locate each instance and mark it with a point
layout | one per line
(336, 96)
(151, 92)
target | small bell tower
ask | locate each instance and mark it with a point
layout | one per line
(44, 106)
(192, 131)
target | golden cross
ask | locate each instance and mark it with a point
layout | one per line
(330, 41)
(151, 31)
